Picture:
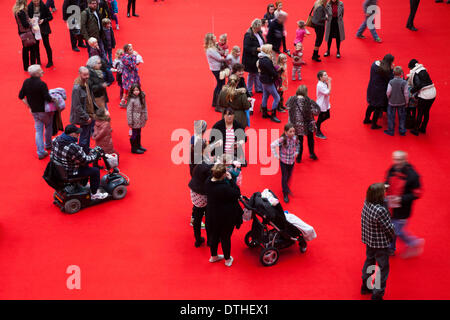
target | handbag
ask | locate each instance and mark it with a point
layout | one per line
(26, 35)
(308, 22)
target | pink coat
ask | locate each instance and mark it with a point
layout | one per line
(102, 136)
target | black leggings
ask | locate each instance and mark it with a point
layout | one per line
(320, 31)
(131, 4)
(310, 137)
(30, 55)
(197, 214)
(48, 49)
(321, 118)
(224, 237)
(334, 33)
(217, 89)
(423, 113)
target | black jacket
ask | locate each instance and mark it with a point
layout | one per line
(250, 52)
(420, 80)
(223, 211)
(319, 16)
(267, 74)
(220, 125)
(407, 182)
(36, 92)
(275, 35)
(45, 14)
(199, 176)
(23, 20)
(96, 85)
(52, 176)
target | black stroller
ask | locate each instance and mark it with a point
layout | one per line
(273, 232)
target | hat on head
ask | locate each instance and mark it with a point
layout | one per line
(412, 63)
(71, 128)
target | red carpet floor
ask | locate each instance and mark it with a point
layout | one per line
(142, 247)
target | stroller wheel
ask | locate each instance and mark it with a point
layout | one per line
(303, 248)
(249, 240)
(269, 256)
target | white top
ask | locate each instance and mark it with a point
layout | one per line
(232, 60)
(323, 96)
(260, 40)
(229, 141)
(214, 59)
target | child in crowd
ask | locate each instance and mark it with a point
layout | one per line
(323, 90)
(286, 148)
(118, 67)
(297, 61)
(110, 41)
(137, 116)
(233, 167)
(264, 28)
(222, 45)
(114, 9)
(398, 95)
(301, 32)
(102, 131)
(95, 50)
(282, 82)
(234, 57)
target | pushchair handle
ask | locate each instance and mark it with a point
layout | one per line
(244, 200)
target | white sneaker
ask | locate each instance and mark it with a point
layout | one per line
(99, 195)
(229, 262)
(216, 258)
(117, 27)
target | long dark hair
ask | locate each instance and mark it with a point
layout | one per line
(141, 95)
(386, 63)
(288, 126)
(375, 193)
(302, 90)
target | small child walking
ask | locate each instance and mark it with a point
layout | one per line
(398, 95)
(301, 32)
(137, 117)
(286, 148)
(118, 67)
(110, 41)
(323, 91)
(102, 131)
(282, 82)
(297, 61)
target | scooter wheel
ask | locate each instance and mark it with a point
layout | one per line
(72, 206)
(119, 192)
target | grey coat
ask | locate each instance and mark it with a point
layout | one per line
(78, 113)
(340, 18)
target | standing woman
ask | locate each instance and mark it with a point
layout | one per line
(253, 41)
(335, 26)
(223, 212)
(215, 61)
(318, 20)
(29, 53)
(37, 9)
(131, 5)
(270, 14)
(302, 110)
(231, 97)
(423, 87)
(130, 74)
(268, 75)
(380, 75)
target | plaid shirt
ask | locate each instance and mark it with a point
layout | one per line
(286, 153)
(377, 228)
(70, 154)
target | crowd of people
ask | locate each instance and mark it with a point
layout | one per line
(217, 161)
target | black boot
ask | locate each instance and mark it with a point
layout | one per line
(265, 114)
(134, 147)
(315, 56)
(273, 116)
(139, 144)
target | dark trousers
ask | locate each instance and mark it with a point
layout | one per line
(75, 38)
(334, 30)
(94, 176)
(29, 55)
(48, 49)
(197, 214)
(217, 89)
(286, 173)
(310, 137)
(85, 136)
(376, 113)
(321, 118)
(381, 258)
(131, 4)
(410, 118)
(50, 4)
(223, 237)
(135, 133)
(320, 31)
(413, 5)
(423, 113)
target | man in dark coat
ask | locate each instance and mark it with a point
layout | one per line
(91, 23)
(404, 188)
(44, 15)
(253, 40)
(275, 35)
(69, 16)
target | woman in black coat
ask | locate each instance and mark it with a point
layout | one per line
(29, 54)
(380, 75)
(223, 212)
(37, 9)
(253, 41)
(318, 20)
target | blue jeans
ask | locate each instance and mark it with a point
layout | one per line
(399, 225)
(253, 80)
(269, 89)
(85, 136)
(363, 27)
(41, 120)
(401, 119)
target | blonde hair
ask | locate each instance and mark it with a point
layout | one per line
(256, 23)
(223, 36)
(319, 3)
(119, 53)
(92, 40)
(19, 5)
(236, 49)
(105, 21)
(209, 41)
(231, 86)
(267, 48)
